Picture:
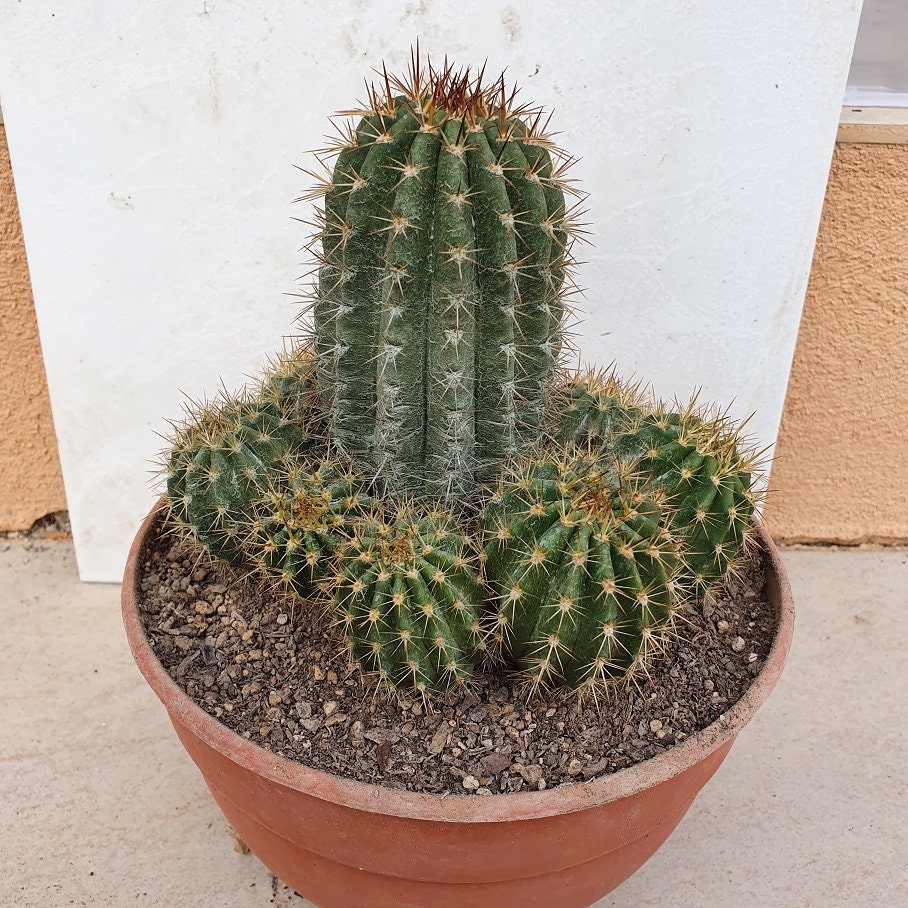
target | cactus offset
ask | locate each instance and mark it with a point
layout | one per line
(223, 454)
(439, 310)
(302, 517)
(584, 571)
(695, 459)
(408, 597)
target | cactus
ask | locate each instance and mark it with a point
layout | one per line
(697, 462)
(222, 455)
(695, 459)
(301, 519)
(408, 597)
(588, 409)
(585, 573)
(440, 301)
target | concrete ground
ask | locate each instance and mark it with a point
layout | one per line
(100, 806)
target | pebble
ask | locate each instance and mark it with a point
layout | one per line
(738, 644)
(655, 725)
(722, 627)
(575, 767)
(330, 707)
(471, 783)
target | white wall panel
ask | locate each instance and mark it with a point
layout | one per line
(152, 146)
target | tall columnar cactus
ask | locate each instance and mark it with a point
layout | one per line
(694, 458)
(302, 517)
(408, 596)
(440, 302)
(224, 454)
(585, 573)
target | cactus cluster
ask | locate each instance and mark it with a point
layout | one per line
(423, 465)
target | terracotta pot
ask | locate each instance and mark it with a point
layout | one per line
(346, 844)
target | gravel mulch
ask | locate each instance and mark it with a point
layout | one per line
(278, 676)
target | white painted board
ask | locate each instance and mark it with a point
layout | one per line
(153, 144)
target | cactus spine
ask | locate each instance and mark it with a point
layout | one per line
(438, 315)
(584, 571)
(408, 597)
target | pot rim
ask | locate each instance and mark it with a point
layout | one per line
(456, 808)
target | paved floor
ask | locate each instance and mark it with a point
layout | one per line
(99, 805)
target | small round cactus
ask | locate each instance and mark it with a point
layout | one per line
(694, 458)
(585, 572)
(440, 302)
(302, 517)
(697, 463)
(224, 453)
(220, 460)
(408, 597)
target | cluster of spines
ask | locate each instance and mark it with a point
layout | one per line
(439, 313)
(587, 576)
(408, 597)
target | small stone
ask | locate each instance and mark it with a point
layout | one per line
(709, 684)
(723, 627)
(738, 644)
(752, 657)
(199, 575)
(540, 785)
(655, 725)
(203, 608)
(550, 712)
(471, 783)
(439, 739)
(483, 791)
(282, 618)
(575, 767)
(317, 673)
(332, 677)
(304, 710)
(495, 763)
(330, 707)
(274, 698)
(532, 773)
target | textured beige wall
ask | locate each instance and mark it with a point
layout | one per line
(841, 462)
(30, 481)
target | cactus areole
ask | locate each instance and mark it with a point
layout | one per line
(440, 301)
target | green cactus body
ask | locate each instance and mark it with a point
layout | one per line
(695, 462)
(288, 388)
(589, 409)
(694, 458)
(584, 572)
(408, 597)
(219, 463)
(301, 519)
(438, 317)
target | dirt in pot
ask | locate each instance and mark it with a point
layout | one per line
(278, 676)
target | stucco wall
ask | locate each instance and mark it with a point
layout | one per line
(841, 465)
(30, 481)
